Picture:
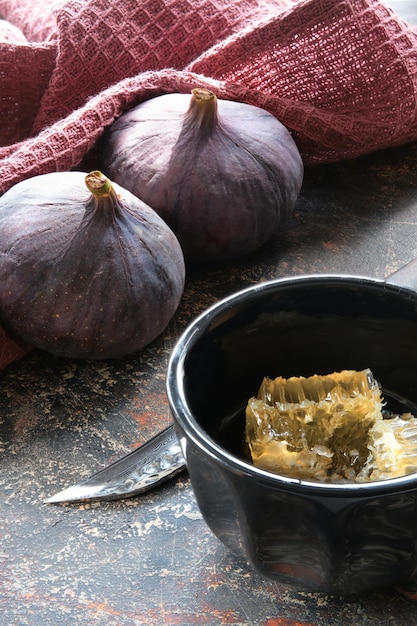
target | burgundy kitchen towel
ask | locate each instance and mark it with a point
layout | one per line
(35, 20)
(11, 349)
(340, 74)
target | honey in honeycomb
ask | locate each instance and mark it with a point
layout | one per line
(329, 429)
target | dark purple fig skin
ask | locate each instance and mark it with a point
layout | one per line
(224, 187)
(81, 278)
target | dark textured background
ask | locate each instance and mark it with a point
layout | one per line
(152, 560)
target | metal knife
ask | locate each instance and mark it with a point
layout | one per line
(156, 461)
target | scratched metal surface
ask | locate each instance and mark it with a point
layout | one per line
(152, 560)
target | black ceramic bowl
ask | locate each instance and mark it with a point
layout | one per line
(337, 538)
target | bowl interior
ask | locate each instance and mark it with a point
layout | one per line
(297, 327)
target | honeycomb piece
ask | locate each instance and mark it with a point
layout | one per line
(329, 429)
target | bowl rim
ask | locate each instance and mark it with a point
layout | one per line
(189, 427)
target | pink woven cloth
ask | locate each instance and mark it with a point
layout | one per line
(340, 74)
(11, 349)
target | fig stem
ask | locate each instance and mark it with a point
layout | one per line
(202, 111)
(99, 185)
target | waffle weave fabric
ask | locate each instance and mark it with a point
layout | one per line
(340, 74)
(11, 349)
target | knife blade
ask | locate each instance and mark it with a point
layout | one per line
(146, 467)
